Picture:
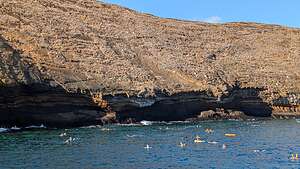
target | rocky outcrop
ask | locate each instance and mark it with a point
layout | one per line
(53, 107)
(220, 115)
(26, 98)
(70, 63)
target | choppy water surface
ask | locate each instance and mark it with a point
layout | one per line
(259, 144)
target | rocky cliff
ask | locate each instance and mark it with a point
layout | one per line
(70, 63)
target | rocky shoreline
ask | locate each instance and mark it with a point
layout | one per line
(54, 107)
(69, 64)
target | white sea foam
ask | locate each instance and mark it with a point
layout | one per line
(130, 124)
(192, 126)
(234, 120)
(36, 127)
(258, 151)
(167, 128)
(255, 125)
(212, 142)
(105, 129)
(63, 134)
(134, 135)
(3, 130)
(179, 128)
(92, 126)
(15, 128)
(146, 123)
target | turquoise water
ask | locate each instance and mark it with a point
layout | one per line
(258, 144)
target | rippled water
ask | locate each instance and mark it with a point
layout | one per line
(259, 144)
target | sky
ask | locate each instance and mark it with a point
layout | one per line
(282, 12)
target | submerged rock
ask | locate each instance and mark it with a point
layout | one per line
(72, 63)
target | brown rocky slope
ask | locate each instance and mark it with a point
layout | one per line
(70, 63)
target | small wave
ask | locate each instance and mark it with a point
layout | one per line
(2, 130)
(179, 128)
(146, 123)
(149, 123)
(36, 127)
(176, 122)
(91, 127)
(192, 126)
(167, 128)
(105, 129)
(212, 142)
(258, 151)
(130, 124)
(234, 120)
(253, 119)
(134, 135)
(63, 134)
(255, 125)
(15, 128)
(297, 120)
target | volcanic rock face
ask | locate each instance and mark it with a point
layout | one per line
(80, 62)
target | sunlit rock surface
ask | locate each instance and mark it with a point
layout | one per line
(70, 62)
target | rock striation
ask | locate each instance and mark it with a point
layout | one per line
(71, 63)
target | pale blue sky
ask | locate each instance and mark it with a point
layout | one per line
(283, 12)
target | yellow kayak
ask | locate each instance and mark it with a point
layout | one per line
(230, 135)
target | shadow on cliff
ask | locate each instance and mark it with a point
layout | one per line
(37, 104)
(246, 100)
(189, 105)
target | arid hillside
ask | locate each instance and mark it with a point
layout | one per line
(129, 60)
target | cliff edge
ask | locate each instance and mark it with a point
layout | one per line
(70, 62)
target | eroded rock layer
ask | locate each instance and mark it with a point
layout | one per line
(80, 62)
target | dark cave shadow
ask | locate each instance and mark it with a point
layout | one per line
(185, 105)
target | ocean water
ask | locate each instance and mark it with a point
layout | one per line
(258, 144)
